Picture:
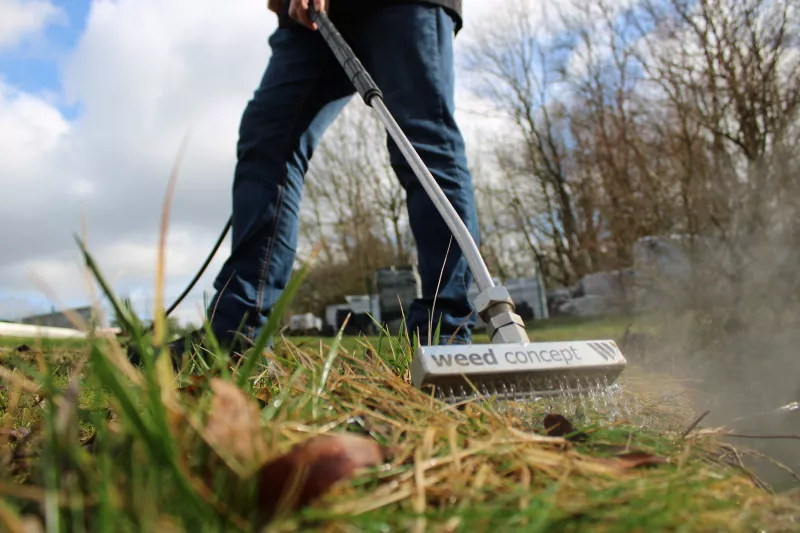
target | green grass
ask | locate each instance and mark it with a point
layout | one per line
(556, 329)
(507, 478)
(114, 448)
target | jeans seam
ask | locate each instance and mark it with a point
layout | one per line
(449, 143)
(268, 255)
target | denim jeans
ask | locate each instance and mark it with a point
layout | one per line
(408, 50)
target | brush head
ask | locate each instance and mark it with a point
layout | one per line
(515, 371)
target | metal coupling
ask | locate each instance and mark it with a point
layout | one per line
(505, 326)
(495, 307)
(491, 297)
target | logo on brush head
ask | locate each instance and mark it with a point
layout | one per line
(605, 350)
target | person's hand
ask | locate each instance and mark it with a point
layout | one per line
(298, 10)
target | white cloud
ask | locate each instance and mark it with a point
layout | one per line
(29, 127)
(145, 72)
(20, 19)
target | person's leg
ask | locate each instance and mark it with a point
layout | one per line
(301, 93)
(408, 50)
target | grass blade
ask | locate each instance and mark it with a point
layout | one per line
(159, 315)
(326, 369)
(271, 327)
(124, 396)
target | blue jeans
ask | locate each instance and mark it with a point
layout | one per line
(408, 50)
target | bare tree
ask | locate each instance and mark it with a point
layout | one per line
(514, 68)
(354, 199)
(353, 204)
(730, 66)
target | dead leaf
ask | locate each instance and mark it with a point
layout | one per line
(233, 428)
(263, 396)
(639, 459)
(558, 426)
(309, 469)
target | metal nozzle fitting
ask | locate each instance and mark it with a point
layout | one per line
(490, 297)
(506, 327)
(495, 307)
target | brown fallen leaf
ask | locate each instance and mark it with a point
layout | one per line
(639, 459)
(558, 426)
(263, 396)
(233, 428)
(310, 469)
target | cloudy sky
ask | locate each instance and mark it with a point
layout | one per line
(95, 98)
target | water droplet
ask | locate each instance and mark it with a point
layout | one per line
(611, 400)
(571, 408)
(637, 408)
(549, 389)
(582, 393)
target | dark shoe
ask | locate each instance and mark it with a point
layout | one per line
(193, 342)
(176, 349)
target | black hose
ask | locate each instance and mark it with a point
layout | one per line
(202, 268)
(200, 272)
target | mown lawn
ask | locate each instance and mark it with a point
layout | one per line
(559, 329)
